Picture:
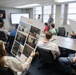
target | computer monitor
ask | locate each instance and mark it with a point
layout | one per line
(15, 17)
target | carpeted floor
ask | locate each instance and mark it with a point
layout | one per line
(35, 69)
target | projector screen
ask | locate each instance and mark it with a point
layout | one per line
(15, 18)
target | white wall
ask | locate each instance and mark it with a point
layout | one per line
(30, 11)
(58, 16)
(7, 21)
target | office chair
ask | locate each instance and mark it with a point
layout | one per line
(3, 36)
(56, 31)
(10, 40)
(45, 56)
(6, 71)
(61, 31)
(72, 68)
(74, 37)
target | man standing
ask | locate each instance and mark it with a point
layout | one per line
(50, 20)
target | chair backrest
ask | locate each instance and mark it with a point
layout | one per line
(61, 31)
(11, 40)
(3, 36)
(74, 37)
(6, 71)
(56, 31)
(45, 55)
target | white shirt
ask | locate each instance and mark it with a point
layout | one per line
(15, 65)
(51, 46)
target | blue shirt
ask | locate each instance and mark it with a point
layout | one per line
(13, 33)
(50, 20)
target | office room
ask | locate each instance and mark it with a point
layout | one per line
(42, 42)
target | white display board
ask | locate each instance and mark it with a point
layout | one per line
(73, 25)
(27, 37)
(68, 28)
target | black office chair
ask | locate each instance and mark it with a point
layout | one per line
(10, 40)
(72, 68)
(3, 36)
(6, 71)
(45, 56)
(61, 31)
(74, 37)
(56, 31)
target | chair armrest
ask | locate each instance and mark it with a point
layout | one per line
(66, 34)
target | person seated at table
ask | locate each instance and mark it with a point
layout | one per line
(66, 62)
(11, 62)
(46, 27)
(13, 33)
(52, 29)
(46, 43)
(1, 27)
(72, 34)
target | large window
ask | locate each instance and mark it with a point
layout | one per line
(37, 11)
(71, 12)
(46, 12)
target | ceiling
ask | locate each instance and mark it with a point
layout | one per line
(14, 3)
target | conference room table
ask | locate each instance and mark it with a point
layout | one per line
(63, 42)
(66, 39)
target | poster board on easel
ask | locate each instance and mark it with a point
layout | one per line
(27, 37)
(73, 25)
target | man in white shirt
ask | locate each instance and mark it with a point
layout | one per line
(46, 43)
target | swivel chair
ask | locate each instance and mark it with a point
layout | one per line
(45, 56)
(10, 40)
(74, 37)
(61, 31)
(3, 36)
